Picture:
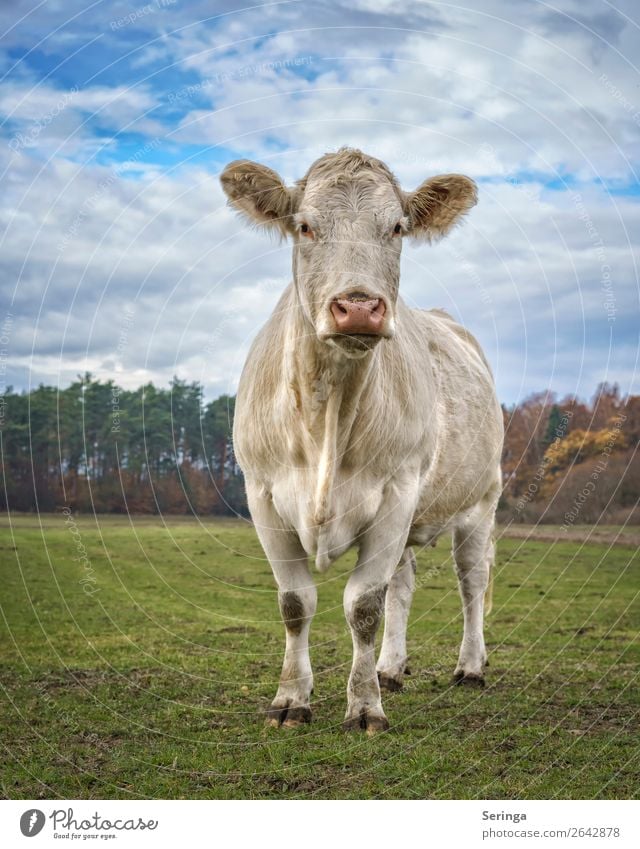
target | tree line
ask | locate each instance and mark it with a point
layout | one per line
(567, 461)
(96, 447)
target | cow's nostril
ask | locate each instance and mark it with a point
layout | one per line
(353, 315)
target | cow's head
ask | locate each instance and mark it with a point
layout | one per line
(347, 218)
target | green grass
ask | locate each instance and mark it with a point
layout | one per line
(152, 685)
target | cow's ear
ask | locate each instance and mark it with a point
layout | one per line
(439, 204)
(258, 192)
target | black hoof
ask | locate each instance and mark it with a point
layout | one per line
(287, 717)
(462, 680)
(388, 683)
(366, 722)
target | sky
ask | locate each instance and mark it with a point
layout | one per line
(119, 255)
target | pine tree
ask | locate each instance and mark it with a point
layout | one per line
(554, 426)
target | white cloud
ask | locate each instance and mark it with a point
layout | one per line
(427, 88)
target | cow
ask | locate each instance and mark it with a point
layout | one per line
(360, 422)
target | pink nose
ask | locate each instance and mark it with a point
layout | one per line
(358, 316)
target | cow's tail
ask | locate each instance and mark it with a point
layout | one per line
(491, 556)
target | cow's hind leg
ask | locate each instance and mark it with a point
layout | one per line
(392, 662)
(473, 554)
(297, 601)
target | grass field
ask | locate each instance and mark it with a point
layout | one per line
(137, 655)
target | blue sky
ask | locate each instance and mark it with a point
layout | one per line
(119, 255)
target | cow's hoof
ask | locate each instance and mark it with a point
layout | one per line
(287, 717)
(368, 722)
(468, 680)
(388, 682)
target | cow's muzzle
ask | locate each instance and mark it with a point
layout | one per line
(358, 314)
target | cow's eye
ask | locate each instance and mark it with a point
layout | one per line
(306, 231)
(397, 229)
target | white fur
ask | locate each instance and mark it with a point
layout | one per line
(379, 448)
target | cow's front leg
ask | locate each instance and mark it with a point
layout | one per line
(364, 601)
(297, 602)
(363, 606)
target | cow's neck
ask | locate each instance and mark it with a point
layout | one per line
(328, 387)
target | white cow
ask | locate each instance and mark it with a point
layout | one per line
(361, 422)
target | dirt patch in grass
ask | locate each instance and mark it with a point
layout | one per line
(89, 679)
(577, 533)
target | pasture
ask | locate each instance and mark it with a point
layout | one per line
(137, 655)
